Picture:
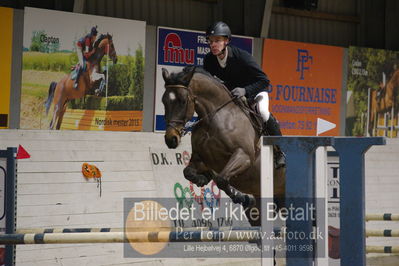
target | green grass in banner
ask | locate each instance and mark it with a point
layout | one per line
(116, 103)
(49, 61)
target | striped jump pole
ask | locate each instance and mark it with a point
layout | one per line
(67, 230)
(133, 237)
(382, 249)
(129, 229)
(382, 233)
(382, 217)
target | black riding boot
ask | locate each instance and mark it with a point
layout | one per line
(273, 129)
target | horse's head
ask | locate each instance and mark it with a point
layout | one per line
(106, 44)
(178, 101)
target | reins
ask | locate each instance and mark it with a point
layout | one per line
(190, 125)
(245, 109)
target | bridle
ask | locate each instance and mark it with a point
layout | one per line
(172, 122)
(188, 126)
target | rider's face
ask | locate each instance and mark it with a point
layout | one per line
(217, 44)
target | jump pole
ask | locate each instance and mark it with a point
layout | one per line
(130, 237)
(382, 217)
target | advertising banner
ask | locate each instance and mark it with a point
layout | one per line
(178, 48)
(6, 29)
(306, 83)
(104, 93)
(373, 98)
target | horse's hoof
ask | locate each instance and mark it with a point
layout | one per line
(202, 181)
(250, 202)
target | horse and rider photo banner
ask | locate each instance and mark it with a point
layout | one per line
(6, 29)
(373, 98)
(82, 72)
(306, 86)
(178, 48)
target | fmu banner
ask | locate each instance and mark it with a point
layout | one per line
(178, 48)
(306, 83)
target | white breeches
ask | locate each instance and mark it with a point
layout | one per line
(80, 55)
(262, 105)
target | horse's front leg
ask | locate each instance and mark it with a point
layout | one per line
(196, 172)
(96, 76)
(238, 163)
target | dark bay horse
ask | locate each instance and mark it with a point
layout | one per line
(63, 91)
(225, 144)
(383, 100)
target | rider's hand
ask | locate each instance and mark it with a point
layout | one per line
(238, 92)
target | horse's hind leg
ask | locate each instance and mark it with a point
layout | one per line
(55, 116)
(57, 113)
(61, 116)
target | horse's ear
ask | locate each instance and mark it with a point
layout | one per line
(165, 74)
(189, 72)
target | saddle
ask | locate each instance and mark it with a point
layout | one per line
(251, 112)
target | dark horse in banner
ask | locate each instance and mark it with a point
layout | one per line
(225, 143)
(63, 91)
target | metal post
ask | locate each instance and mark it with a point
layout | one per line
(352, 202)
(300, 153)
(10, 201)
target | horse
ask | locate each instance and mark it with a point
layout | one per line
(383, 100)
(63, 91)
(225, 144)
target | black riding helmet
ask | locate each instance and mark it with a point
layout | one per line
(93, 31)
(218, 29)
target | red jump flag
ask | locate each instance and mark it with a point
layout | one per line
(22, 153)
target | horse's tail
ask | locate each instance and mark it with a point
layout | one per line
(50, 96)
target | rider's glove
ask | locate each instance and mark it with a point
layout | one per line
(238, 92)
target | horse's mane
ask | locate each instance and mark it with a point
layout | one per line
(179, 77)
(102, 37)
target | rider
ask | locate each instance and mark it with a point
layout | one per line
(242, 76)
(85, 50)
